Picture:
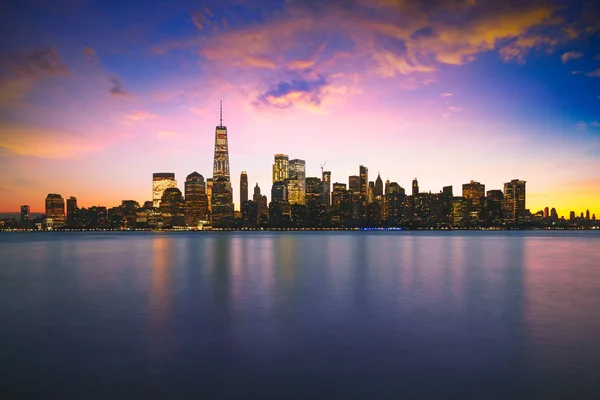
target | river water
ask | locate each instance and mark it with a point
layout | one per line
(300, 315)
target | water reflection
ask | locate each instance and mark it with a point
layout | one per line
(495, 313)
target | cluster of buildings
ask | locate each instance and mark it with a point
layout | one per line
(298, 201)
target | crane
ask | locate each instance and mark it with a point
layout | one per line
(323, 166)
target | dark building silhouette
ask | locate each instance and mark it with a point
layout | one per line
(72, 212)
(250, 214)
(243, 188)
(378, 191)
(415, 187)
(24, 221)
(315, 206)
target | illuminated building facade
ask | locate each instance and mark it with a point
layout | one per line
(129, 210)
(222, 193)
(209, 186)
(364, 191)
(160, 182)
(393, 204)
(172, 208)
(513, 208)
(196, 200)
(338, 196)
(473, 192)
(55, 210)
(296, 180)
(459, 212)
(280, 168)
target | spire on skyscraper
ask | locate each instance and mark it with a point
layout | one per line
(220, 113)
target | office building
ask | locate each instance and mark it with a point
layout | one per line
(172, 208)
(55, 210)
(196, 201)
(222, 193)
(24, 220)
(415, 187)
(296, 177)
(514, 202)
(326, 179)
(72, 212)
(243, 188)
(280, 168)
(160, 182)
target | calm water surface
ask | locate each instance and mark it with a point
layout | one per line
(300, 315)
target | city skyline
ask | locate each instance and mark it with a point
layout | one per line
(448, 100)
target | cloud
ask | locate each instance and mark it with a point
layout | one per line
(19, 73)
(446, 95)
(117, 88)
(27, 140)
(200, 19)
(595, 73)
(285, 94)
(167, 134)
(90, 55)
(404, 40)
(139, 116)
(570, 55)
(584, 126)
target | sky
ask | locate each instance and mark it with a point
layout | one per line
(95, 96)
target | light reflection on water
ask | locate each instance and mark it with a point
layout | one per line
(491, 315)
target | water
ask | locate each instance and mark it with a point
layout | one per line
(300, 315)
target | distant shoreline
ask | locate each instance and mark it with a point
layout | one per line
(592, 228)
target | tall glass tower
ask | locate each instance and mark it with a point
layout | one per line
(222, 194)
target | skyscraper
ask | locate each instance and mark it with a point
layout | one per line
(222, 193)
(243, 188)
(296, 181)
(364, 181)
(364, 191)
(415, 187)
(514, 202)
(160, 182)
(24, 215)
(473, 193)
(72, 211)
(55, 210)
(326, 179)
(378, 187)
(209, 186)
(280, 168)
(171, 208)
(196, 201)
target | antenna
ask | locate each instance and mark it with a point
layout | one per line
(221, 112)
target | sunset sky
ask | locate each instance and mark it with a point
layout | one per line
(95, 96)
